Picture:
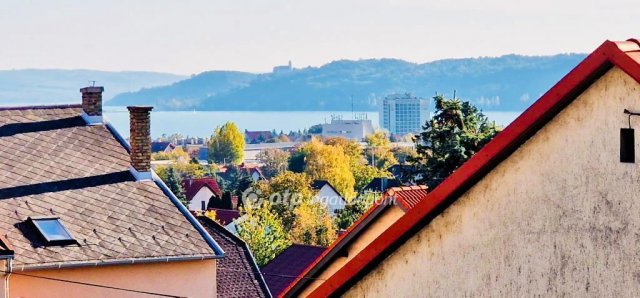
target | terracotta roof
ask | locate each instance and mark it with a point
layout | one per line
(53, 164)
(253, 136)
(192, 186)
(225, 216)
(280, 272)
(237, 274)
(405, 197)
(623, 55)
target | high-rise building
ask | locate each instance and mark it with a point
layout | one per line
(404, 113)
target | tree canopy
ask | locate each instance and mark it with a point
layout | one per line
(456, 132)
(227, 144)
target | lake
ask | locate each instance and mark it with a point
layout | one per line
(202, 123)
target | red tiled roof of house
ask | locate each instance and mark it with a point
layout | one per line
(624, 55)
(280, 272)
(192, 186)
(405, 197)
(237, 274)
(225, 216)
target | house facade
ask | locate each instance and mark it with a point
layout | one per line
(199, 191)
(328, 195)
(547, 208)
(83, 215)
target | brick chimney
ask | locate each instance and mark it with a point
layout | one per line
(92, 104)
(140, 139)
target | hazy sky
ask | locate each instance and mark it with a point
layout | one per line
(188, 37)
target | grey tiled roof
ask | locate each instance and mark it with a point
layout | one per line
(53, 164)
(237, 274)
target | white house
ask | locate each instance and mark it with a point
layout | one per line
(328, 195)
(198, 192)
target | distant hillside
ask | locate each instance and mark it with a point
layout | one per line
(187, 94)
(49, 86)
(508, 83)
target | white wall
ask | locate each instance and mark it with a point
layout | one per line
(330, 198)
(203, 195)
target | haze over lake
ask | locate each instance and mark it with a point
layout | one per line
(202, 123)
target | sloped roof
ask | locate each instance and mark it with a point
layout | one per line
(159, 146)
(225, 216)
(405, 197)
(192, 186)
(280, 272)
(380, 185)
(53, 164)
(624, 55)
(237, 274)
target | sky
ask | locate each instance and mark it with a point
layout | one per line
(188, 37)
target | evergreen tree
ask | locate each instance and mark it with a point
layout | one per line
(457, 131)
(226, 201)
(173, 181)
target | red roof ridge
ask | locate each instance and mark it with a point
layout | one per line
(41, 107)
(624, 55)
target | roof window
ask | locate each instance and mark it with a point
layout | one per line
(52, 230)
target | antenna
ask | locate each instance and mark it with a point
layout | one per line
(93, 83)
(352, 116)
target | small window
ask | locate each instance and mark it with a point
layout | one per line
(52, 230)
(202, 206)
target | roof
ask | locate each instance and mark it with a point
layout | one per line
(280, 272)
(193, 185)
(405, 197)
(225, 216)
(624, 55)
(159, 146)
(237, 274)
(6, 250)
(256, 135)
(52, 164)
(203, 154)
(381, 184)
(319, 184)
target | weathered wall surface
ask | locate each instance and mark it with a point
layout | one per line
(183, 279)
(561, 216)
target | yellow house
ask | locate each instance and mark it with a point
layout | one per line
(550, 207)
(83, 215)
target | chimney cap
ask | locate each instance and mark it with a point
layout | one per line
(139, 108)
(92, 89)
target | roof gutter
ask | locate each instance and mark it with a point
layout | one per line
(113, 262)
(212, 243)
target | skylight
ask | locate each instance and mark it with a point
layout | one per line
(52, 230)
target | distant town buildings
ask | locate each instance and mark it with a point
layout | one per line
(356, 129)
(404, 113)
(283, 68)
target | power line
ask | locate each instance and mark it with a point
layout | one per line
(93, 285)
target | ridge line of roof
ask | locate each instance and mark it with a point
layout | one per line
(41, 107)
(605, 57)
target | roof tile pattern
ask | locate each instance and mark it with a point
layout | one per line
(237, 273)
(285, 268)
(192, 186)
(53, 164)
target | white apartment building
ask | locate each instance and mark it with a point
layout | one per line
(404, 113)
(356, 129)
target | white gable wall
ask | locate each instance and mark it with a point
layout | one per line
(330, 198)
(561, 216)
(203, 195)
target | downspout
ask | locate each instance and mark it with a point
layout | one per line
(9, 268)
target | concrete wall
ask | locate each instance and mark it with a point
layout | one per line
(184, 279)
(203, 195)
(560, 217)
